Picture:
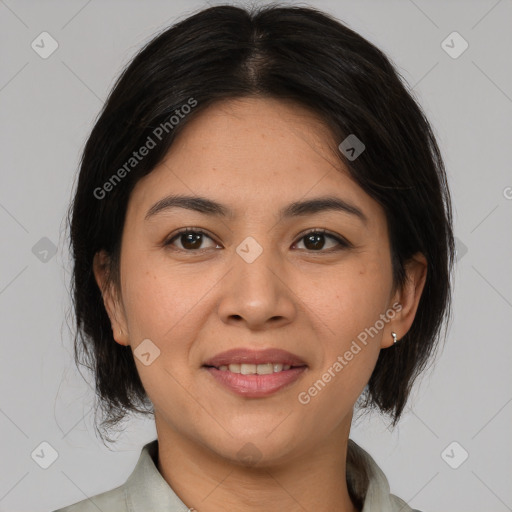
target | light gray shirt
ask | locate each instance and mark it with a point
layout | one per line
(145, 490)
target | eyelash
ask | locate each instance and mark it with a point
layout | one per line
(344, 244)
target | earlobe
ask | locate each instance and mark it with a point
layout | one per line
(409, 297)
(113, 306)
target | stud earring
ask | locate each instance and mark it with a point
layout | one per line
(394, 337)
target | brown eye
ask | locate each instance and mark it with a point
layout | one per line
(189, 239)
(315, 240)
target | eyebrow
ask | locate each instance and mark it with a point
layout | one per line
(296, 209)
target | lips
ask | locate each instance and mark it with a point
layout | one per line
(247, 356)
(255, 373)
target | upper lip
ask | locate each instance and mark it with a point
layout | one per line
(248, 356)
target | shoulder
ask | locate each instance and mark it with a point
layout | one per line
(145, 489)
(113, 501)
(400, 505)
(369, 484)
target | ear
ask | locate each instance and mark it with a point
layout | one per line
(408, 296)
(111, 300)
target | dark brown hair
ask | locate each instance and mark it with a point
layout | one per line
(292, 53)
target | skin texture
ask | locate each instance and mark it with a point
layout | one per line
(255, 155)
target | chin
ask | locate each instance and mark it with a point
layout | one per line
(256, 449)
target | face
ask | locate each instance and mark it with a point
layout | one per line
(297, 287)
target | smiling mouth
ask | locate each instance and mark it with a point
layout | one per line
(255, 380)
(255, 373)
(255, 369)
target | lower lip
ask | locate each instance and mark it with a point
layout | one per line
(256, 386)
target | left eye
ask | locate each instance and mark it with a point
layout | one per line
(314, 241)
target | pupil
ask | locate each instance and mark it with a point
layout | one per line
(192, 240)
(315, 239)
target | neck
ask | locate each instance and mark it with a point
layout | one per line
(207, 482)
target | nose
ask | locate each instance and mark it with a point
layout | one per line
(257, 294)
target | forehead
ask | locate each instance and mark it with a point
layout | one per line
(266, 127)
(252, 152)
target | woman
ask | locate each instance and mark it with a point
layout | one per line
(262, 237)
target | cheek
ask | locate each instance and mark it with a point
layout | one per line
(160, 298)
(150, 308)
(160, 307)
(347, 299)
(347, 304)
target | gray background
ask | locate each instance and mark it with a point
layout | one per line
(47, 108)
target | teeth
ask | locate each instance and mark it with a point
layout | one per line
(248, 369)
(265, 369)
(253, 369)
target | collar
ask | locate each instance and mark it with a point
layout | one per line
(146, 488)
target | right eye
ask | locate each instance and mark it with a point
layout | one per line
(189, 238)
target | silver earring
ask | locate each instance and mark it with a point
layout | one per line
(394, 337)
